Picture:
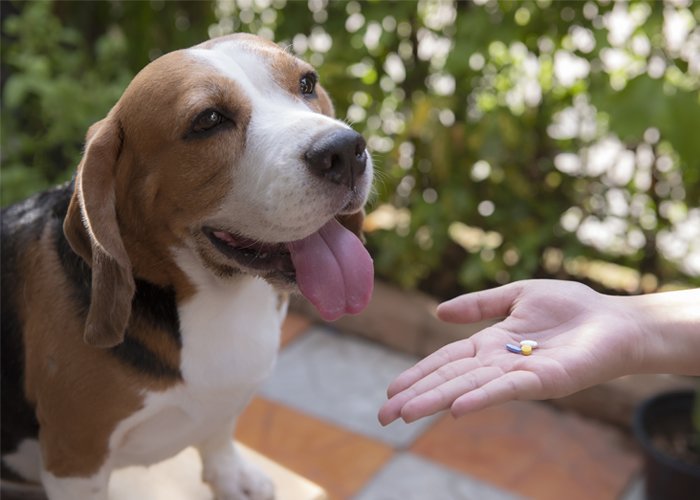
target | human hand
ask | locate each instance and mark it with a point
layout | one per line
(584, 338)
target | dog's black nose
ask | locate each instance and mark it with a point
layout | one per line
(339, 157)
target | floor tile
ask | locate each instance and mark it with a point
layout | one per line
(339, 461)
(534, 450)
(409, 477)
(294, 325)
(343, 379)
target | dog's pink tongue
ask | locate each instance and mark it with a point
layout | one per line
(334, 271)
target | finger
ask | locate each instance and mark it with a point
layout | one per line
(391, 410)
(478, 306)
(442, 396)
(510, 386)
(444, 355)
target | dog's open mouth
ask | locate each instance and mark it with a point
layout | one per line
(255, 255)
(332, 268)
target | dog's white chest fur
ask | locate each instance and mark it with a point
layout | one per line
(230, 337)
(230, 334)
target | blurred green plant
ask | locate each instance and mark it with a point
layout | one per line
(64, 65)
(512, 139)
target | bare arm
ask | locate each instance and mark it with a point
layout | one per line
(670, 326)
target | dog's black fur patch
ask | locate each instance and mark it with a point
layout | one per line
(22, 225)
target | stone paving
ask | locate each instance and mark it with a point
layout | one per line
(317, 416)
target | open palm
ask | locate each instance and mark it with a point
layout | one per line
(571, 323)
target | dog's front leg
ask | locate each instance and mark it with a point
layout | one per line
(75, 488)
(230, 476)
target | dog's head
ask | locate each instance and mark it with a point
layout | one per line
(218, 160)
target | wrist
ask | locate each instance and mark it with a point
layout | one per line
(665, 330)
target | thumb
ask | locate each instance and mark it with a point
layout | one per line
(478, 306)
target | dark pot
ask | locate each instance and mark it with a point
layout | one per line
(667, 477)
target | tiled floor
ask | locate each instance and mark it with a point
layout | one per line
(317, 416)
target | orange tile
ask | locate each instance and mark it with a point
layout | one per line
(337, 460)
(534, 450)
(293, 326)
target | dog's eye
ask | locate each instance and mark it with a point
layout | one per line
(207, 121)
(307, 83)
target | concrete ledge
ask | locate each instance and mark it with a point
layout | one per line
(400, 319)
(179, 478)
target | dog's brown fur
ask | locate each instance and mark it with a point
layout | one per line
(90, 305)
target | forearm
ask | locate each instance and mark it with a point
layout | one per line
(667, 331)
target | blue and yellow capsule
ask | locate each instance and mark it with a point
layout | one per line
(514, 348)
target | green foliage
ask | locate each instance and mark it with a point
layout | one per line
(511, 138)
(68, 63)
(47, 97)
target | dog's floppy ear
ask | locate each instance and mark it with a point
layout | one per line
(354, 222)
(92, 230)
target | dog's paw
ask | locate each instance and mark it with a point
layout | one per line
(244, 482)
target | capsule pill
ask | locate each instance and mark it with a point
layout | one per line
(531, 343)
(514, 348)
(526, 349)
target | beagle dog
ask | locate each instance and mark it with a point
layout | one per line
(142, 302)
